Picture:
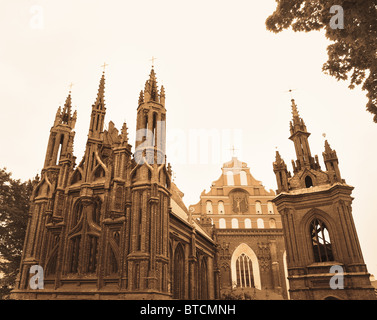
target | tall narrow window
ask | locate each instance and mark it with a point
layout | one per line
(272, 223)
(230, 178)
(243, 178)
(308, 182)
(140, 226)
(92, 251)
(247, 223)
(221, 209)
(60, 149)
(204, 280)
(209, 207)
(270, 207)
(260, 223)
(234, 223)
(321, 243)
(244, 269)
(258, 207)
(75, 253)
(179, 273)
(222, 223)
(154, 131)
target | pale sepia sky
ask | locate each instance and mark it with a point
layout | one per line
(222, 71)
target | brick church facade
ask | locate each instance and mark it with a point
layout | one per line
(114, 226)
(248, 232)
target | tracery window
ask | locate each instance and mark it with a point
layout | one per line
(244, 269)
(83, 238)
(321, 243)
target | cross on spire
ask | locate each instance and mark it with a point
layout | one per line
(153, 59)
(70, 86)
(233, 149)
(104, 66)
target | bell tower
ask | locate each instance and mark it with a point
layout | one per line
(324, 256)
(148, 260)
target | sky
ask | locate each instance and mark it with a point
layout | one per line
(224, 74)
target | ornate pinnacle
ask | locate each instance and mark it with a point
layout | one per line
(124, 133)
(141, 97)
(100, 101)
(294, 109)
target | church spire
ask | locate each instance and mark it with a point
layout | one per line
(281, 172)
(65, 116)
(332, 163)
(300, 135)
(151, 117)
(297, 123)
(98, 111)
(151, 90)
(100, 101)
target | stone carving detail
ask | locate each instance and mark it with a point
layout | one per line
(264, 256)
(224, 253)
(239, 202)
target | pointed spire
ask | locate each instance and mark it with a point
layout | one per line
(67, 109)
(100, 101)
(327, 147)
(278, 157)
(297, 123)
(294, 109)
(151, 90)
(162, 95)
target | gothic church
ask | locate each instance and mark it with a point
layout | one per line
(115, 226)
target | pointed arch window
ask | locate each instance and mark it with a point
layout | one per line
(179, 273)
(308, 182)
(322, 248)
(204, 280)
(84, 238)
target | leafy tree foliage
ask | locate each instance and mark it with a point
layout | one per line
(14, 206)
(353, 53)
